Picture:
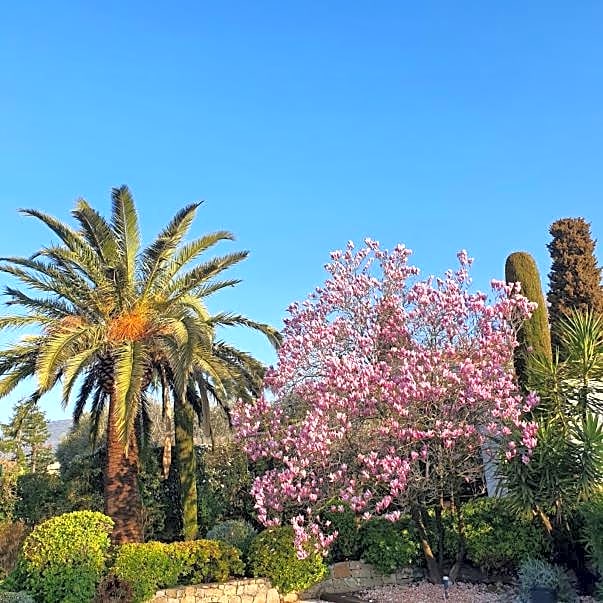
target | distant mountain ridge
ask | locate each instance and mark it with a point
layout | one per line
(58, 429)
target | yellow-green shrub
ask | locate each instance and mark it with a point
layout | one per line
(150, 566)
(64, 558)
(272, 555)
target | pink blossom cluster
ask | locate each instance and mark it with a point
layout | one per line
(381, 376)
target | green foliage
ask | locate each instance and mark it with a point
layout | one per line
(81, 468)
(346, 545)
(24, 437)
(206, 561)
(9, 474)
(567, 464)
(534, 336)
(223, 485)
(15, 597)
(40, 496)
(146, 567)
(388, 545)
(154, 495)
(64, 558)
(592, 514)
(184, 417)
(235, 532)
(534, 573)
(12, 536)
(575, 277)
(496, 538)
(272, 555)
(150, 566)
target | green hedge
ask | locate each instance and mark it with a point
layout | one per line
(150, 566)
(272, 555)
(64, 558)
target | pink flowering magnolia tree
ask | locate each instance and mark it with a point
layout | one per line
(387, 391)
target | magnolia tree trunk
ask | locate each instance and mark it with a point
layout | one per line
(122, 496)
(187, 467)
(433, 569)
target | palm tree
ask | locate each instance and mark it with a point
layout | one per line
(106, 312)
(222, 373)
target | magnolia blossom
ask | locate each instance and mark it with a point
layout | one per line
(386, 387)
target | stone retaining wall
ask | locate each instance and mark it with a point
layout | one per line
(353, 576)
(344, 577)
(236, 591)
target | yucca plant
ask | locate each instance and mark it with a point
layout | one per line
(567, 466)
(105, 314)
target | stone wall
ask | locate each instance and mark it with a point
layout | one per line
(344, 577)
(353, 576)
(236, 591)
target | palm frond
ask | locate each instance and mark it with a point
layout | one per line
(124, 223)
(156, 255)
(225, 319)
(97, 232)
(130, 363)
(69, 236)
(88, 384)
(58, 347)
(191, 251)
(74, 367)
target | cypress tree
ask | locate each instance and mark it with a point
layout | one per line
(534, 336)
(575, 277)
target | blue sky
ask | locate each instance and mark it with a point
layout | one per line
(443, 125)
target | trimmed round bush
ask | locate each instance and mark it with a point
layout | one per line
(272, 555)
(146, 567)
(388, 545)
(235, 532)
(64, 558)
(206, 561)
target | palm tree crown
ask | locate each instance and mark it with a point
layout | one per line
(107, 313)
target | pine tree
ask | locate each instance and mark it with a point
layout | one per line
(25, 437)
(575, 277)
(534, 336)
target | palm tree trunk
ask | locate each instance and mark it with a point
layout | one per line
(122, 496)
(187, 466)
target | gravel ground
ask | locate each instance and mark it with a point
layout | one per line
(425, 592)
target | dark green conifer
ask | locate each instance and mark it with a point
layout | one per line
(534, 336)
(575, 277)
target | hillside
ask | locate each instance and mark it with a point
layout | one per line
(57, 430)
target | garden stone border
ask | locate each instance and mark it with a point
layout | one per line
(354, 576)
(344, 577)
(235, 591)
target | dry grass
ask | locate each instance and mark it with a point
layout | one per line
(12, 535)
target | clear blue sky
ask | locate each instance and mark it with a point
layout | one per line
(443, 125)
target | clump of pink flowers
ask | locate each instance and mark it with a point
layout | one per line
(387, 388)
